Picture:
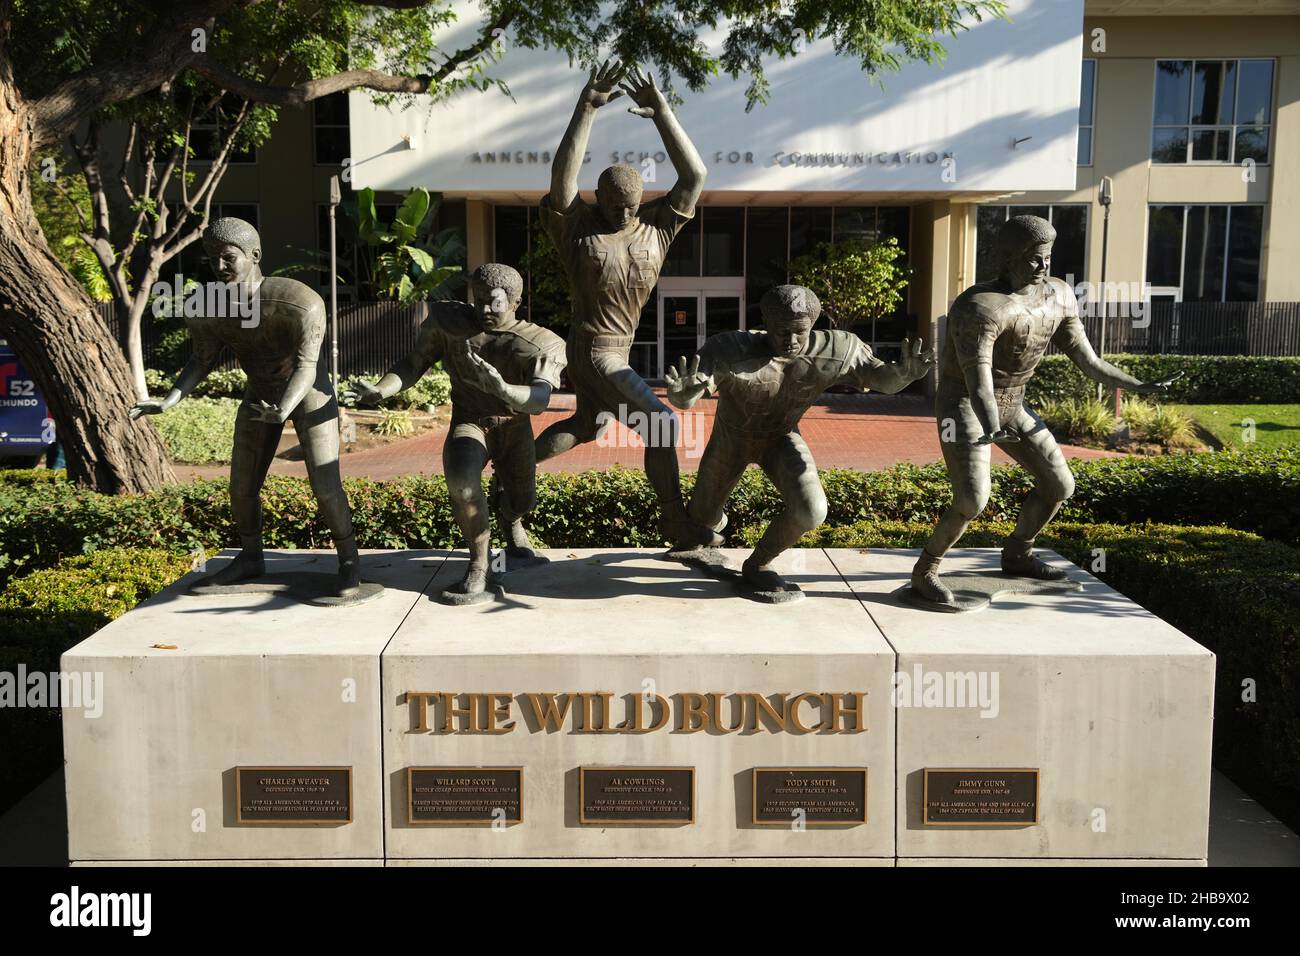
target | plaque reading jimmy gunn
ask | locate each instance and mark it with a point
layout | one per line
(464, 795)
(980, 798)
(644, 795)
(817, 796)
(293, 796)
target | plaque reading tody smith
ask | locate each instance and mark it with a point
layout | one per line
(818, 796)
(293, 796)
(980, 798)
(640, 795)
(464, 795)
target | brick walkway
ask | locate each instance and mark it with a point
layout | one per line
(866, 432)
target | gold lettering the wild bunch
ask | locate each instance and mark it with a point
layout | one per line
(603, 712)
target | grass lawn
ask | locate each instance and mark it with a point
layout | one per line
(1276, 426)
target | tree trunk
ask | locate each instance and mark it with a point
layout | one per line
(135, 335)
(56, 332)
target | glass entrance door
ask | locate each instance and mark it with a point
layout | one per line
(681, 330)
(689, 314)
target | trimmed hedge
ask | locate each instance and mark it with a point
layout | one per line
(42, 522)
(1206, 378)
(200, 431)
(1233, 592)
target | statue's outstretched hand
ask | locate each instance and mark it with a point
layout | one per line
(150, 406)
(649, 99)
(915, 363)
(268, 412)
(601, 83)
(364, 394)
(1157, 388)
(483, 375)
(685, 378)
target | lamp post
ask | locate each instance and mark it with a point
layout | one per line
(336, 197)
(1105, 196)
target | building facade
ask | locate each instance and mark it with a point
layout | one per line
(1191, 111)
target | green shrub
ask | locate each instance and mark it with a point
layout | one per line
(1078, 419)
(221, 384)
(1169, 427)
(56, 607)
(428, 393)
(199, 430)
(394, 423)
(1235, 593)
(1206, 378)
(1256, 491)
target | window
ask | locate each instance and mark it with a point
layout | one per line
(1087, 99)
(1212, 111)
(767, 240)
(208, 133)
(1211, 253)
(330, 129)
(724, 240)
(1069, 252)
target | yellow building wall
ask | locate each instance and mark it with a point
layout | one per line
(1122, 118)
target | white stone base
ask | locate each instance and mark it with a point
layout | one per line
(252, 680)
(1111, 705)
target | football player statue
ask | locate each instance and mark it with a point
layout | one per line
(502, 371)
(997, 334)
(765, 381)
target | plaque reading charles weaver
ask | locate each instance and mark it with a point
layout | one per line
(817, 796)
(980, 798)
(293, 796)
(636, 795)
(464, 795)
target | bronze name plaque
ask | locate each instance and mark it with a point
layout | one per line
(641, 795)
(816, 796)
(980, 798)
(464, 795)
(293, 796)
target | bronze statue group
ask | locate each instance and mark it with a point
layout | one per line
(503, 370)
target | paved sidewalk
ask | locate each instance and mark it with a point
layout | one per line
(866, 432)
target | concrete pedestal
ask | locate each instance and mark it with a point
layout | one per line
(252, 680)
(1110, 706)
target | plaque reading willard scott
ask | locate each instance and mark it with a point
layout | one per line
(980, 798)
(464, 795)
(826, 796)
(293, 796)
(641, 795)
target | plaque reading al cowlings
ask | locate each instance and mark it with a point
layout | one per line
(819, 796)
(449, 796)
(957, 797)
(293, 796)
(648, 796)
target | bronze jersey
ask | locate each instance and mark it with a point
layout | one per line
(1007, 332)
(522, 352)
(611, 274)
(286, 333)
(763, 394)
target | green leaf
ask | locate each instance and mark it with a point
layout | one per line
(421, 258)
(411, 214)
(367, 219)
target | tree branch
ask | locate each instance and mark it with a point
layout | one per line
(299, 94)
